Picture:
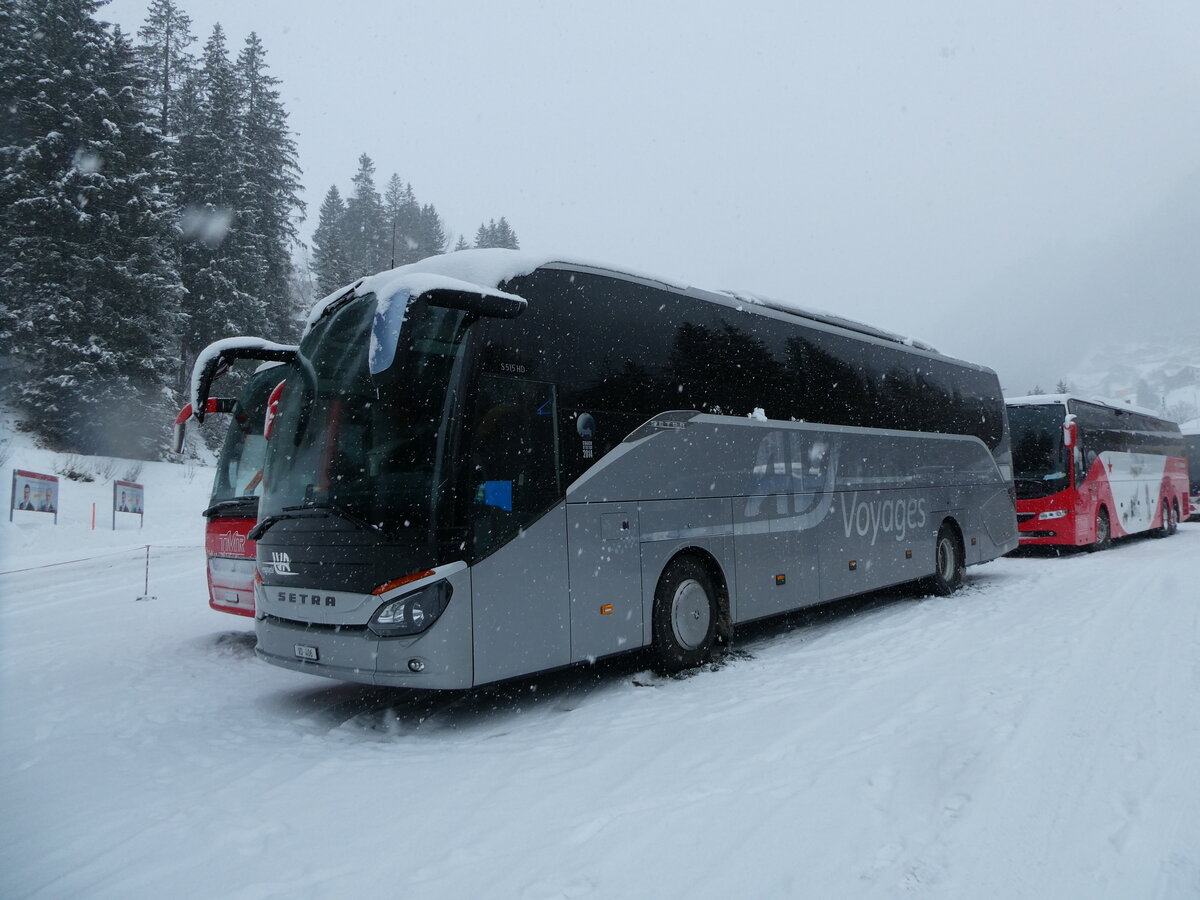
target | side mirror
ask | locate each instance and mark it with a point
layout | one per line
(215, 405)
(219, 355)
(493, 304)
(1070, 434)
(180, 429)
(272, 409)
(387, 329)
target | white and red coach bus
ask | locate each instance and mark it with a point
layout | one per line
(233, 505)
(1088, 471)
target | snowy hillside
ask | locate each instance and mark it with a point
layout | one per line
(1163, 376)
(1033, 736)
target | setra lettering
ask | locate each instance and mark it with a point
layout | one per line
(306, 599)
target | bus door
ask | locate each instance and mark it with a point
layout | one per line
(518, 529)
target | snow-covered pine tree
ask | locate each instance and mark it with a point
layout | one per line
(431, 233)
(497, 234)
(330, 261)
(366, 248)
(17, 75)
(400, 206)
(217, 263)
(270, 203)
(137, 268)
(462, 244)
(163, 42)
(485, 235)
(86, 238)
(505, 237)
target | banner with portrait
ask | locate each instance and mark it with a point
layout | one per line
(34, 492)
(128, 497)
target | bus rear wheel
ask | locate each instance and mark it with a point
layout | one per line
(1103, 531)
(949, 565)
(685, 616)
(1169, 522)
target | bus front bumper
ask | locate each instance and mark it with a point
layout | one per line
(439, 658)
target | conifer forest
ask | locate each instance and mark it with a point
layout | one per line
(151, 200)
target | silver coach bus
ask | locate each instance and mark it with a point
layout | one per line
(486, 465)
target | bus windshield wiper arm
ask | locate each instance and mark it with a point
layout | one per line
(309, 511)
(261, 528)
(232, 501)
(339, 511)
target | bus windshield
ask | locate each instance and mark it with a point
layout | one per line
(1192, 442)
(1040, 462)
(240, 466)
(364, 448)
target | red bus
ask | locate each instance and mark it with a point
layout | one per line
(1087, 471)
(233, 504)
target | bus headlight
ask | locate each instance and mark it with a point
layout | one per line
(412, 613)
(1053, 514)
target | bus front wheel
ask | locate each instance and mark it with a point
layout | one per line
(1103, 531)
(949, 565)
(685, 616)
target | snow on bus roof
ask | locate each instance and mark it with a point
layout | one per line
(1191, 426)
(481, 271)
(474, 271)
(1047, 399)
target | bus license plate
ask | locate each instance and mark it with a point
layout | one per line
(303, 651)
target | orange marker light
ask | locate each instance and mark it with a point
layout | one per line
(397, 582)
(606, 609)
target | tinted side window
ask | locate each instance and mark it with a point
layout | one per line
(618, 353)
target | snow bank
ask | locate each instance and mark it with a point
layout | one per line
(176, 494)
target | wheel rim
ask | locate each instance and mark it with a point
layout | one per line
(690, 614)
(945, 559)
(1101, 528)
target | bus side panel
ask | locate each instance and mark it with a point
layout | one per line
(776, 562)
(669, 526)
(999, 520)
(1133, 482)
(606, 578)
(875, 539)
(521, 602)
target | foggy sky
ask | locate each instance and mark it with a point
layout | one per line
(996, 179)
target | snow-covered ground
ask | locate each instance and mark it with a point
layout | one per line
(1037, 735)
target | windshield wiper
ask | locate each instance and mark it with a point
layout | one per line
(245, 500)
(310, 511)
(339, 511)
(261, 528)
